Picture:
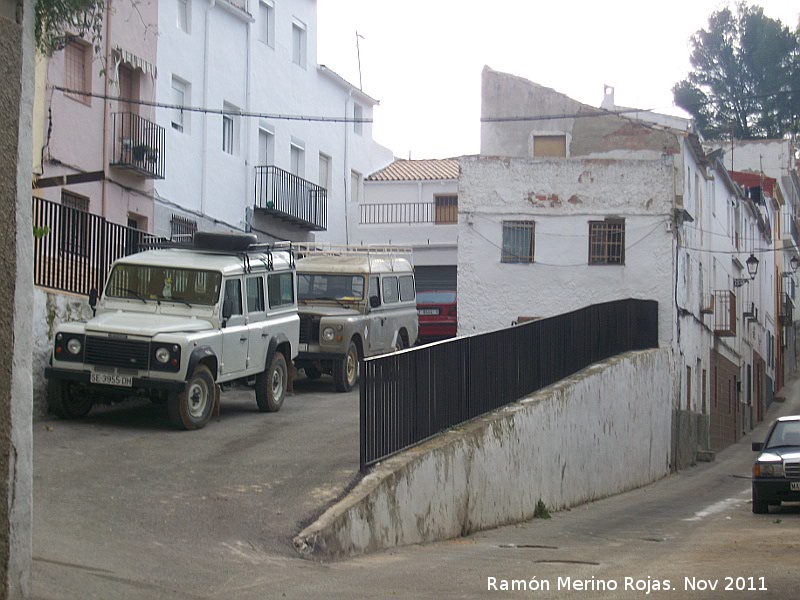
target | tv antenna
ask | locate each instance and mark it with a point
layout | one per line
(358, 52)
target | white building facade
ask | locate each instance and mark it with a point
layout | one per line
(281, 144)
(564, 209)
(414, 203)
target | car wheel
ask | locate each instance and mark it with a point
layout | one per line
(271, 384)
(312, 372)
(70, 400)
(191, 409)
(760, 505)
(346, 371)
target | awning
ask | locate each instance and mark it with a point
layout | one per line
(134, 61)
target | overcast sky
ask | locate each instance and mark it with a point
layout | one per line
(422, 59)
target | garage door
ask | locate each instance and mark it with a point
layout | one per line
(436, 278)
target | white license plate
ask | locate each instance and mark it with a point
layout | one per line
(302, 347)
(795, 486)
(112, 379)
(428, 311)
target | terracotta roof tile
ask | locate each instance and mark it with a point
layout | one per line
(754, 180)
(418, 170)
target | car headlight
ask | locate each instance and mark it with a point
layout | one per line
(162, 355)
(328, 333)
(74, 346)
(768, 470)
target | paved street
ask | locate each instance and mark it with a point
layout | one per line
(127, 508)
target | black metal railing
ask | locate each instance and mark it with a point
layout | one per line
(785, 310)
(287, 196)
(138, 145)
(73, 249)
(410, 396)
(724, 313)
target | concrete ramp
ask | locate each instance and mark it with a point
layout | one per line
(600, 432)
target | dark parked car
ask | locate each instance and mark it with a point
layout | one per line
(776, 473)
(438, 316)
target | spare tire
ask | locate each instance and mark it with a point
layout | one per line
(228, 242)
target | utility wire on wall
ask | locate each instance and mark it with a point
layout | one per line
(216, 111)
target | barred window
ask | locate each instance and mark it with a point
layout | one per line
(74, 224)
(446, 209)
(182, 229)
(607, 242)
(518, 242)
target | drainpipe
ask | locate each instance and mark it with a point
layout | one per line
(204, 161)
(347, 177)
(247, 133)
(104, 183)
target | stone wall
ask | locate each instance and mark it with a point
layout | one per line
(600, 432)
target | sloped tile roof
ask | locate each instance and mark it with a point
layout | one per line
(754, 180)
(418, 170)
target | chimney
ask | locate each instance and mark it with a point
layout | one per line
(608, 98)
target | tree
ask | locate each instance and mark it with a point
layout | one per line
(58, 22)
(744, 78)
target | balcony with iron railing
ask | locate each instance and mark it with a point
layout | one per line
(442, 212)
(291, 198)
(724, 313)
(790, 232)
(785, 310)
(138, 145)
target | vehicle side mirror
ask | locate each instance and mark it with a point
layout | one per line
(758, 446)
(227, 309)
(374, 301)
(93, 300)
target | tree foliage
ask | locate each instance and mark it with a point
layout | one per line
(745, 78)
(58, 22)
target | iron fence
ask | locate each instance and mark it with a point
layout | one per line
(139, 145)
(410, 396)
(73, 249)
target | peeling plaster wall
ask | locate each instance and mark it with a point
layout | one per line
(603, 431)
(50, 310)
(561, 197)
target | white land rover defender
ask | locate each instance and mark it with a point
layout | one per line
(354, 302)
(177, 322)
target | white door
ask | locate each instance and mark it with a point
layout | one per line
(235, 336)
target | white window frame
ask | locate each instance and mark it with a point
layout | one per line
(297, 158)
(266, 146)
(299, 43)
(324, 181)
(184, 15)
(180, 96)
(358, 116)
(266, 22)
(230, 129)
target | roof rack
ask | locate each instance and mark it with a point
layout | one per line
(239, 245)
(370, 252)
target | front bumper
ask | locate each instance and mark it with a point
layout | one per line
(145, 383)
(774, 490)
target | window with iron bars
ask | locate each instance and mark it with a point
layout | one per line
(446, 209)
(182, 229)
(518, 242)
(607, 242)
(74, 224)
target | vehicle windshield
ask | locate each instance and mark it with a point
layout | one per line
(786, 433)
(436, 297)
(318, 286)
(152, 283)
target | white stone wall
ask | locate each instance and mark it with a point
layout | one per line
(223, 60)
(561, 196)
(50, 309)
(598, 433)
(433, 244)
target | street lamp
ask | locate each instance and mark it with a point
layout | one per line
(752, 269)
(793, 265)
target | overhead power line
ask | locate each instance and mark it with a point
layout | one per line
(216, 111)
